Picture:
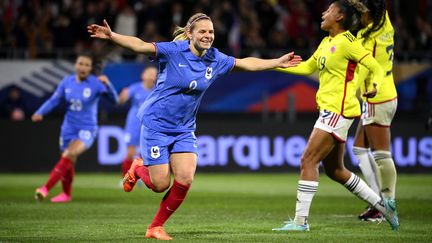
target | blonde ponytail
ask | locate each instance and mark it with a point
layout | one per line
(180, 33)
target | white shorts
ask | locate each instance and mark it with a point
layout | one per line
(381, 114)
(335, 124)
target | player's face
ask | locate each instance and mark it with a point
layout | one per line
(83, 67)
(149, 76)
(202, 35)
(330, 17)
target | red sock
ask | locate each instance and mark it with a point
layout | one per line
(172, 200)
(143, 173)
(67, 180)
(126, 164)
(59, 170)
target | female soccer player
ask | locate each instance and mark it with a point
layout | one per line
(373, 130)
(187, 66)
(336, 59)
(137, 93)
(81, 92)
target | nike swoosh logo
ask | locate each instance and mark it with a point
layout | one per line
(169, 209)
(182, 65)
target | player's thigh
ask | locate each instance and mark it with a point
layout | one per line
(75, 149)
(320, 143)
(183, 166)
(378, 137)
(360, 139)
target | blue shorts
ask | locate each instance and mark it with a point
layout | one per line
(132, 134)
(69, 134)
(156, 147)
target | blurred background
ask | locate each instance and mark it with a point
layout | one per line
(247, 121)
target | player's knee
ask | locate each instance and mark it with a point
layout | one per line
(161, 187)
(185, 180)
(380, 155)
(70, 155)
(308, 163)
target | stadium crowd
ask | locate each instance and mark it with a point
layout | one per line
(263, 28)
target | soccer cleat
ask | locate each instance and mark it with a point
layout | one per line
(391, 214)
(292, 226)
(158, 233)
(61, 198)
(41, 193)
(129, 180)
(372, 215)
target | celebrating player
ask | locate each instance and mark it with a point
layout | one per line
(336, 59)
(373, 130)
(81, 92)
(137, 93)
(187, 67)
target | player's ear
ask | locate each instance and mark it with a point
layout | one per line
(339, 18)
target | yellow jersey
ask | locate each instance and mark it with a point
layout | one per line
(336, 60)
(380, 43)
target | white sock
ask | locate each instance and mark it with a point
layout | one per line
(305, 193)
(368, 167)
(386, 173)
(361, 190)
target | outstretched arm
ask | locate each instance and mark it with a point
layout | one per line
(130, 42)
(50, 104)
(258, 64)
(305, 68)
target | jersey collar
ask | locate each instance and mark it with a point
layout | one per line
(209, 56)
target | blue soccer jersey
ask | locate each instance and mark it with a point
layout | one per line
(183, 78)
(81, 100)
(137, 95)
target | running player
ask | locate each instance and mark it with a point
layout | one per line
(373, 130)
(187, 67)
(137, 93)
(81, 92)
(336, 59)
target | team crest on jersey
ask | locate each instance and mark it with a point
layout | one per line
(86, 92)
(209, 73)
(155, 152)
(333, 49)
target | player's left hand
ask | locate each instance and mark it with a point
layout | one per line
(370, 93)
(104, 79)
(289, 60)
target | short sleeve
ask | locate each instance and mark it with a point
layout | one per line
(164, 50)
(60, 90)
(132, 89)
(225, 63)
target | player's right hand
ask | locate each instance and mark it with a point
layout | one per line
(101, 32)
(37, 118)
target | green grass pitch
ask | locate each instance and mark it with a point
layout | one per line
(219, 208)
